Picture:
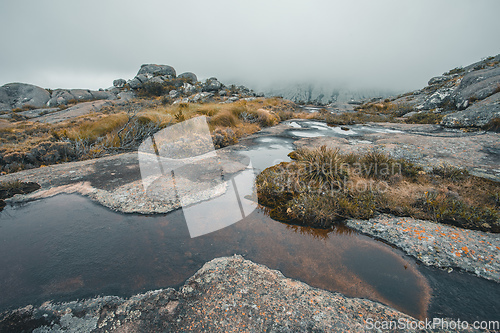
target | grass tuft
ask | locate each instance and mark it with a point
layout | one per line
(322, 187)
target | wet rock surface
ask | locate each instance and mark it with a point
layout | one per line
(436, 244)
(227, 294)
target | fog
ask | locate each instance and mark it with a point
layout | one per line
(386, 45)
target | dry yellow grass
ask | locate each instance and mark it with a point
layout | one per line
(119, 128)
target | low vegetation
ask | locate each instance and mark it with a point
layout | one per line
(425, 118)
(9, 189)
(493, 125)
(322, 187)
(26, 144)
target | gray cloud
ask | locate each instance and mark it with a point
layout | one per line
(389, 44)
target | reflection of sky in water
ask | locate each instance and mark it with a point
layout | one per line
(312, 129)
(269, 151)
(67, 247)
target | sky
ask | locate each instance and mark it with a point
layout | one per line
(376, 44)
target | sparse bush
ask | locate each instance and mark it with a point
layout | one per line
(224, 137)
(151, 89)
(493, 125)
(450, 172)
(425, 118)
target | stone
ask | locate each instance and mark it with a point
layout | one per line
(143, 77)
(212, 84)
(173, 94)
(477, 85)
(157, 80)
(81, 94)
(476, 115)
(135, 83)
(126, 95)
(102, 95)
(188, 88)
(157, 70)
(119, 83)
(201, 97)
(18, 95)
(438, 98)
(438, 79)
(189, 76)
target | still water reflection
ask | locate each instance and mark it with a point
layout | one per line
(67, 247)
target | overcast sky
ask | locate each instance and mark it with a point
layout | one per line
(389, 44)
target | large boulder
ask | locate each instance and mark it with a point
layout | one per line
(18, 95)
(476, 115)
(477, 85)
(102, 95)
(157, 70)
(60, 97)
(81, 94)
(212, 85)
(188, 76)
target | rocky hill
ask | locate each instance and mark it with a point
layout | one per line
(28, 101)
(466, 96)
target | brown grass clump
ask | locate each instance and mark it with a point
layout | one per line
(425, 118)
(493, 125)
(322, 187)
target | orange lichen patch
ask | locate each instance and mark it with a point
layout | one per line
(458, 254)
(465, 249)
(498, 248)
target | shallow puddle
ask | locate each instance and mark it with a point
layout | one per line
(67, 247)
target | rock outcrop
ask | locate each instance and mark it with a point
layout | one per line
(465, 96)
(478, 115)
(189, 76)
(226, 295)
(31, 101)
(22, 95)
(157, 70)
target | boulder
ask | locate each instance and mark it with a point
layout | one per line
(144, 77)
(173, 94)
(126, 95)
(189, 76)
(135, 83)
(157, 70)
(119, 83)
(59, 97)
(476, 115)
(81, 94)
(18, 95)
(201, 97)
(188, 89)
(438, 98)
(477, 85)
(212, 84)
(156, 79)
(102, 95)
(438, 79)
